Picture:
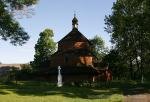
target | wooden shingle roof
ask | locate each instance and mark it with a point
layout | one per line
(74, 35)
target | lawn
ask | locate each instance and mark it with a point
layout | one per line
(28, 91)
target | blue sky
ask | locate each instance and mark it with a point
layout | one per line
(57, 15)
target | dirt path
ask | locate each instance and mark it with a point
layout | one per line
(139, 94)
(137, 98)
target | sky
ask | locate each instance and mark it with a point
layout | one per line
(57, 15)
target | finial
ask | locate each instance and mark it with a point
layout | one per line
(74, 13)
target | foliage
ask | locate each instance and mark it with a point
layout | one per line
(26, 66)
(44, 48)
(129, 28)
(116, 64)
(24, 73)
(8, 74)
(9, 27)
(19, 4)
(98, 48)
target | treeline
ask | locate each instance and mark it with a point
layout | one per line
(130, 35)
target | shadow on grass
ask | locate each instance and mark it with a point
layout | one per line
(45, 88)
(132, 87)
(138, 88)
(3, 93)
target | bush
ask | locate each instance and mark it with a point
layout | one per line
(9, 74)
(25, 73)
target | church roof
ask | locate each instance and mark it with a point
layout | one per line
(74, 35)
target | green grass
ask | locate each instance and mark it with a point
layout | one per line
(48, 92)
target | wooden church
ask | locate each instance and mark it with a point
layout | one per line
(74, 56)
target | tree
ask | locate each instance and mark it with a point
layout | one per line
(98, 48)
(117, 65)
(44, 48)
(9, 27)
(128, 25)
(18, 4)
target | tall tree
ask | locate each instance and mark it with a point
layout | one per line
(128, 25)
(117, 65)
(9, 27)
(98, 47)
(44, 48)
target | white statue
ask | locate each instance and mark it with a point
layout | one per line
(59, 82)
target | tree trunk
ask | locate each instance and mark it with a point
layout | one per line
(131, 68)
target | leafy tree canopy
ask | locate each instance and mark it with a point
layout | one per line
(129, 28)
(98, 47)
(44, 48)
(9, 27)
